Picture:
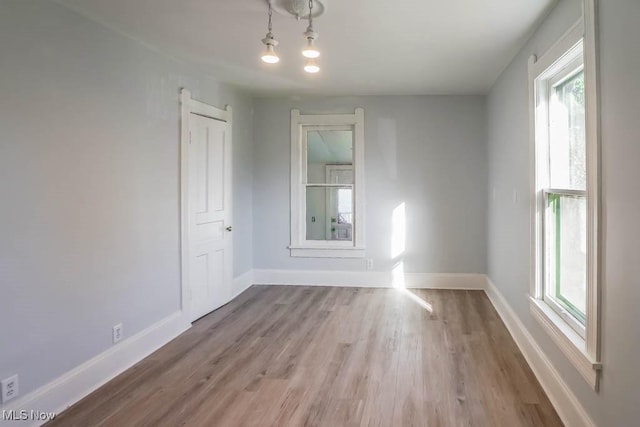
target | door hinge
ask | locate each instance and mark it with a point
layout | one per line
(190, 137)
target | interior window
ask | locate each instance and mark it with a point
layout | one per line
(329, 184)
(327, 201)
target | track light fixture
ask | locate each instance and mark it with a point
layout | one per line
(269, 55)
(310, 51)
(311, 66)
(298, 9)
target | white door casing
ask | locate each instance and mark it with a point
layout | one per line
(207, 244)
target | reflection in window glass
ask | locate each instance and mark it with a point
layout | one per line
(329, 213)
(328, 147)
(345, 214)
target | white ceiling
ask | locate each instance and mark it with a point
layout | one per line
(368, 46)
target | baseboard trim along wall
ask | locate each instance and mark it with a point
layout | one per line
(241, 284)
(84, 379)
(562, 398)
(369, 279)
(72, 386)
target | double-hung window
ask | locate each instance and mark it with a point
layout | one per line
(565, 198)
(327, 185)
(564, 195)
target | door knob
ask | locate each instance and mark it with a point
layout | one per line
(229, 228)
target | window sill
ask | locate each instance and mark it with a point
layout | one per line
(326, 252)
(569, 341)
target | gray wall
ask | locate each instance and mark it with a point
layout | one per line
(508, 256)
(89, 189)
(426, 151)
(89, 157)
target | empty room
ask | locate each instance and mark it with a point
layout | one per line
(319, 213)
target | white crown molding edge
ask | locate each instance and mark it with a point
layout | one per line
(562, 398)
(105, 23)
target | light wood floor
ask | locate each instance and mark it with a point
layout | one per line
(330, 357)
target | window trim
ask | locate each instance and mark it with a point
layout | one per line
(566, 72)
(582, 352)
(300, 247)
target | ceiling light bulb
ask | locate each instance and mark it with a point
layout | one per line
(311, 67)
(270, 56)
(310, 51)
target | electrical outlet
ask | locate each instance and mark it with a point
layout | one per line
(370, 264)
(117, 333)
(9, 388)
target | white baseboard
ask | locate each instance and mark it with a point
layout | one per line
(562, 398)
(241, 283)
(72, 386)
(369, 279)
(81, 381)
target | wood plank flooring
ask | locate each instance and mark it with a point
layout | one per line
(320, 356)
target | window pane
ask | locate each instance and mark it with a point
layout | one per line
(329, 148)
(565, 250)
(567, 134)
(329, 213)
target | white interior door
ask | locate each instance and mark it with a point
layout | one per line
(209, 210)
